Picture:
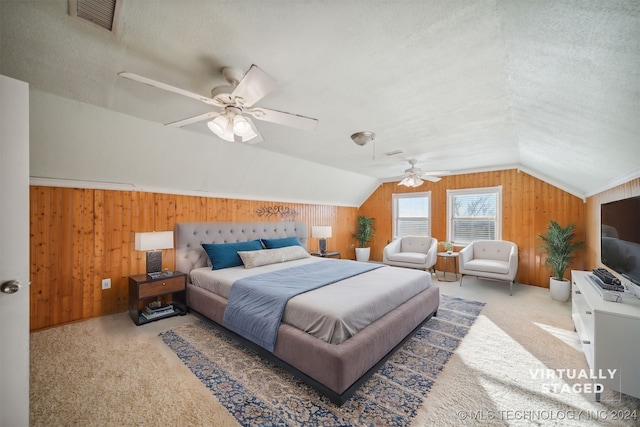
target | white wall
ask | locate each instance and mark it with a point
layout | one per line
(81, 142)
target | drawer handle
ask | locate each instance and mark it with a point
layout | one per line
(578, 292)
(588, 312)
(164, 283)
(586, 342)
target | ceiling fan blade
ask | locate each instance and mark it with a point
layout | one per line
(282, 118)
(254, 86)
(195, 119)
(434, 176)
(164, 86)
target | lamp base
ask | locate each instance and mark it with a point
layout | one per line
(154, 262)
(323, 245)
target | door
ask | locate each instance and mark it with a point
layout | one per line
(14, 252)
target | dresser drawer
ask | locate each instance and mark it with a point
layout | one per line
(158, 287)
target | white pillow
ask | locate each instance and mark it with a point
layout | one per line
(290, 253)
(253, 259)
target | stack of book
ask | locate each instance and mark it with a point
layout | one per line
(152, 313)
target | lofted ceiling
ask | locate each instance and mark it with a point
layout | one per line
(551, 87)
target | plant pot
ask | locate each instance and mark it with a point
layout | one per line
(560, 289)
(362, 254)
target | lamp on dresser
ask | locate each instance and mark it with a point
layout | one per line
(153, 242)
(321, 232)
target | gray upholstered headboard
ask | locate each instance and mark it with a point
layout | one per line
(191, 235)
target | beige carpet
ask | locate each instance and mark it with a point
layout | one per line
(108, 372)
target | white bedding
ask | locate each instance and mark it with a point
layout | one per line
(335, 312)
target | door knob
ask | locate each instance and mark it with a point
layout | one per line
(10, 287)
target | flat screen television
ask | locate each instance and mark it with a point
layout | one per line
(620, 239)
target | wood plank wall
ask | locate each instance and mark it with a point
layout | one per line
(592, 220)
(80, 236)
(528, 204)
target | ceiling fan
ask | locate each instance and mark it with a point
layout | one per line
(414, 177)
(234, 104)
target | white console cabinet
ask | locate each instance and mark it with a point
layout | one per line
(609, 333)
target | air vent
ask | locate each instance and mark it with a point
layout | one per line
(103, 13)
(394, 153)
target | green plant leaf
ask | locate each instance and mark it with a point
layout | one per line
(364, 231)
(559, 245)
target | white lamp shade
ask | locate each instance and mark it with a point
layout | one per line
(154, 240)
(321, 231)
(411, 181)
(220, 126)
(241, 126)
(232, 129)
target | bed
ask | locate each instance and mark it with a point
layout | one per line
(333, 357)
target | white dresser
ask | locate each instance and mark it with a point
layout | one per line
(609, 332)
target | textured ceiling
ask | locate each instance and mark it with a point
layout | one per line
(552, 87)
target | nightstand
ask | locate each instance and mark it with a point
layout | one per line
(144, 289)
(326, 254)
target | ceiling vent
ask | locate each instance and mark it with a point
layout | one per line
(103, 13)
(394, 153)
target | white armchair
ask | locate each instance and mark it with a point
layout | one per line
(411, 251)
(490, 259)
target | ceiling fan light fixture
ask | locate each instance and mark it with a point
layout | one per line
(216, 127)
(246, 89)
(235, 129)
(363, 138)
(219, 127)
(411, 181)
(241, 126)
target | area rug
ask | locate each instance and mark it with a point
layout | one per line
(256, 392)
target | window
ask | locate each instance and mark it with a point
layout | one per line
(474, 214)
(411, 214)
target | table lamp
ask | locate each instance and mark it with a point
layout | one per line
(153, 243)
(321, 232)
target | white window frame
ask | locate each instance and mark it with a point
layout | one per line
(469, 191)
(396, 196)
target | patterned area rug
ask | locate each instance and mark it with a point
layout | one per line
(257, 392)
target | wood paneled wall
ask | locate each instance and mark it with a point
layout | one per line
(80, 236)
(528, 204)
(592, 220)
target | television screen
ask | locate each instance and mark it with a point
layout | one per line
(620, 237)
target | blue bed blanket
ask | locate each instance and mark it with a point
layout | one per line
(256, 303)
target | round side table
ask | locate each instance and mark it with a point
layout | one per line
(449, 258)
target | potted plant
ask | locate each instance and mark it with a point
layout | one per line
(363, 234)
(559, 245)
(448, 246)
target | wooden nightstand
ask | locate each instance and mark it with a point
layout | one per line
(326, 254)
(143, 289)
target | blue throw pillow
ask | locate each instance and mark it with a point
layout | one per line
(281, 243)
(224, 255)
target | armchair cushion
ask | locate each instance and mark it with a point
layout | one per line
(492, 259)
(414, 257)
(488, 266)
(411, 251)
